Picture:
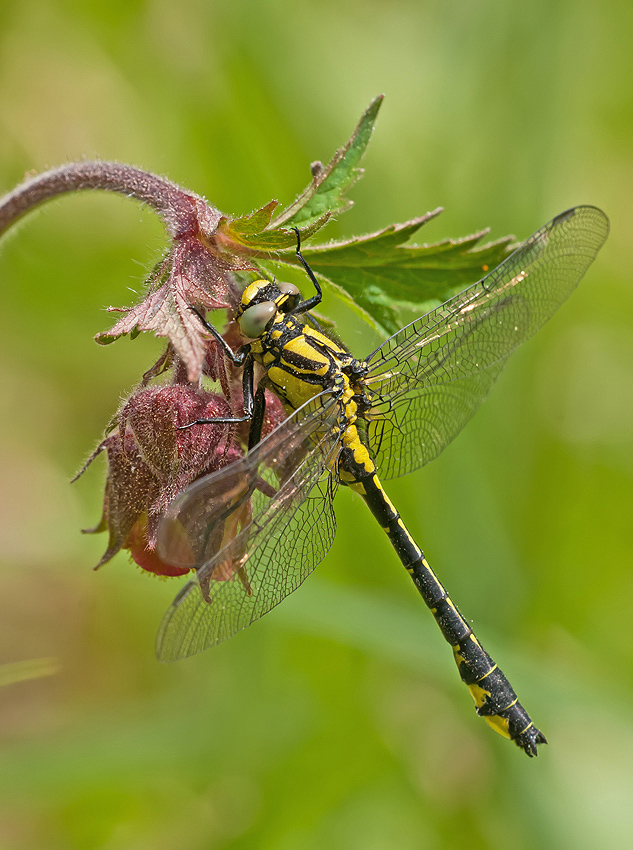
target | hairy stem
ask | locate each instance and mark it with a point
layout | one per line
(181, 210)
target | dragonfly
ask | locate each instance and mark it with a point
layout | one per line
(255, 529)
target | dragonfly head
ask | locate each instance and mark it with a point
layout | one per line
(261, 303)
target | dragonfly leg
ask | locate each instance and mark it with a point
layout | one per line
(310, 303)
(257, 416)
(237, 358)
(249, 402)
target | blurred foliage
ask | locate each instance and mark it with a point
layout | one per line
(339, 720)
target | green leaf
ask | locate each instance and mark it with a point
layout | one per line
(381, 276)
(324, 195)
(314, 207)
(271, 240)
(256, 221)
(376, 275)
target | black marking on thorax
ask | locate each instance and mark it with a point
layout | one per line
(288, 346)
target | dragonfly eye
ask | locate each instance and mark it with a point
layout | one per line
(293, 296)
(254, 320)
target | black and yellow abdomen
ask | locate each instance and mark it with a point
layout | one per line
(495, 699)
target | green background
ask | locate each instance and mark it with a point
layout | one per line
(339, 720)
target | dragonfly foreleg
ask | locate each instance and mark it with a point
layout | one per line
(238, 357)
(310, 303)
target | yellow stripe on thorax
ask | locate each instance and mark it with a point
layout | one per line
(302, 348)
(291, 386)
(324, 341)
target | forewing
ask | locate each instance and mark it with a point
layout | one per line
(253, 531)
(430, 377)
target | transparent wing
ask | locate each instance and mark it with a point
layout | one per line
(430, 377)
(253, 530)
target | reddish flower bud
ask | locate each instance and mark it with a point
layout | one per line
(146, 557)
(151, 459)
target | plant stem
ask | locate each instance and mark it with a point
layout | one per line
(183, 212)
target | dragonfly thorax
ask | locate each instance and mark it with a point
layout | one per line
(300, 361)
